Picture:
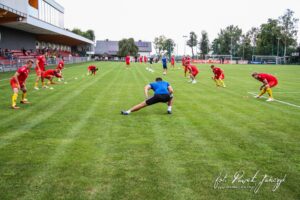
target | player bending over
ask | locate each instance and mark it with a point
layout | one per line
(173, 62)
(18, 82)
(50, 74)
(163, 93)
(268, 81)
(193, 70)
(218, 76)
(60, 67)
(187, 62)
(92, 70)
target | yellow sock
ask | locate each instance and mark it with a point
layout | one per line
(14, 99)
(222, 83)
(36, 84)
(24, 96)
(263, 91)
(43, 84)
(270, 93)
(217, 82)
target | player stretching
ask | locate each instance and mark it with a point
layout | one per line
(92, 70)
(18, 82)
(60, 67)
(193, 73)
(173, 62)
(39, 69)
(127, 60)
(50, 74)
(163, 93)
(218, 76)
(268, 81)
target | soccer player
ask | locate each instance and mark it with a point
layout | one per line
(145, 59)
(183, 61)
(164, 61)
(193, 73)
(60, 67)
(92, 70)
(218, 76)
(187, 62)
(268, 81)
(18, 82)
(150, 68)
(141, 59)
(127, 60)
(163, 93)
(173, 61)
(39, 69)
(50, 74)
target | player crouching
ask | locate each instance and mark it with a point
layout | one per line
(218, 76)
(193, 70)
(268, 81)
(18, 82)
(60, 67)
(92, 70)
(50, 74)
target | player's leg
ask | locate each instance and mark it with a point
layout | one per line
(24, 95)
(15, 95)
(135, 108)
(170, 104)
(37, 80)
(262, 92)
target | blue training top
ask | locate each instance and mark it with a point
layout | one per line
(160, 87)
(164, 60)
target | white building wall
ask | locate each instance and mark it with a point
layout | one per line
(19, 5)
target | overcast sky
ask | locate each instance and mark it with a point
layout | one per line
(144, 20)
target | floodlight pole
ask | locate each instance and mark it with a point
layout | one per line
(278, 46)
(231, 48)
(184, 36)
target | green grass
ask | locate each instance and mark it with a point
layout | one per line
(72, 142)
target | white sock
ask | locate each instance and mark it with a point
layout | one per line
(128, 111)
(169, 108)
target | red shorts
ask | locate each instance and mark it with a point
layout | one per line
(127, 63)
(273, 83)
(221, 77)
(194, 74)
(172, 63)
(14, 84)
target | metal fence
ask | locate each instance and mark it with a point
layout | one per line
(14, 64)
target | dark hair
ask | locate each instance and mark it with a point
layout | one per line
(158, 79)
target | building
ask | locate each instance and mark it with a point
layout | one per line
(109, 48)
(36, 25)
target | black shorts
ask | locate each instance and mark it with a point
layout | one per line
(158, 98)
(165, 66)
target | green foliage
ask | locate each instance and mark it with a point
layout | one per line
(204, 44)
(163, 44)
(89, 34)
(192, 41)
(127, 47)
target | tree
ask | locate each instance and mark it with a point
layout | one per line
(127, 46)
(289, 30)
(89, 34)
(192, 42)
(204, 44)
(245, 48)
(159, 45)
(227, 41)
(169, 45)
(267, 38)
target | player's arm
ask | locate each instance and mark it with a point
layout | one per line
(146, 89)
(265, 84)
(16, 78)
(171, 91)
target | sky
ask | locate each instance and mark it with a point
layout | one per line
(145, 20)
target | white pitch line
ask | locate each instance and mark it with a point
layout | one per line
(283, 102)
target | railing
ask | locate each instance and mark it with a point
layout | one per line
(14, 64)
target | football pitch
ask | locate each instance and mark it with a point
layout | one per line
(219, 143)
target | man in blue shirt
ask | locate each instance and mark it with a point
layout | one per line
(164, 61)
(163, 93)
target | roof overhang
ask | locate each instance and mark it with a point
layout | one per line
(44, 31)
